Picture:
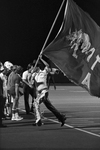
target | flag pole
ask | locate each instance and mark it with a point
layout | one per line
(49, 32)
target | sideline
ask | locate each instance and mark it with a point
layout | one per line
(72, 127)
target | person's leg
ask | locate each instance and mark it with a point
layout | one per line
(15, 110)
(10, 105)
(26, 98)
(58, 115)
(32, 92)
(2, 107)
(1, 111)
(37, 111)
(6, 107)
(37, 108)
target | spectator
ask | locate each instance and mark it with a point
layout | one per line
(28, 88)
(8, 106)
(14, 80)
(2, 94)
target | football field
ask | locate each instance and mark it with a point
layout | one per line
(80, 132)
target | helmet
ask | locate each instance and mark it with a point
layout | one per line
(8, 65)
(1, 66)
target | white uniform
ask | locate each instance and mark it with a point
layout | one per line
(42, 96)
(4, 79)
(41, 80)
(42, 88)
(26, 75)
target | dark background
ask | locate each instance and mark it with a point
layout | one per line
(25, 24)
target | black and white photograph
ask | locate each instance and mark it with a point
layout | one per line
(49, 74)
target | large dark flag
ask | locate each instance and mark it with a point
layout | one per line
(76, 49)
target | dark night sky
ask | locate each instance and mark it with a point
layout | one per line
(24, 26)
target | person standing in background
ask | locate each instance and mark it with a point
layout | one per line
(28, 88)
(14, 80)
(2, 95)
(8, 106)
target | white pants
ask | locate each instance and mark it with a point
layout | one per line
(37, 103)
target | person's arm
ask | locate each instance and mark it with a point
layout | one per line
(33, 77)
(45, 63)
(54, 71)
(24, 81)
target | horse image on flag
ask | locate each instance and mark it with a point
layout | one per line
(76, 48)
(79, 39)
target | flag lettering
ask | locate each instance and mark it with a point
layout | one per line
(97, 60)
(92, 50)
(86, 81)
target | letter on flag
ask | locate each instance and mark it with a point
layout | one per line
(76, 48)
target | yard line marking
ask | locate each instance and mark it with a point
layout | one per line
(88, 132)
(77, 91)
(68, 90)
(72, 127)
(58, 89)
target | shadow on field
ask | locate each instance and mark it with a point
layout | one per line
(30, 119)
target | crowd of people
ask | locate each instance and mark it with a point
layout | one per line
(34, 81)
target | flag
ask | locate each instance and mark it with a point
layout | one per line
(76, 48)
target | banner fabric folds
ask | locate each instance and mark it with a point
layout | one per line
(76, 49)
